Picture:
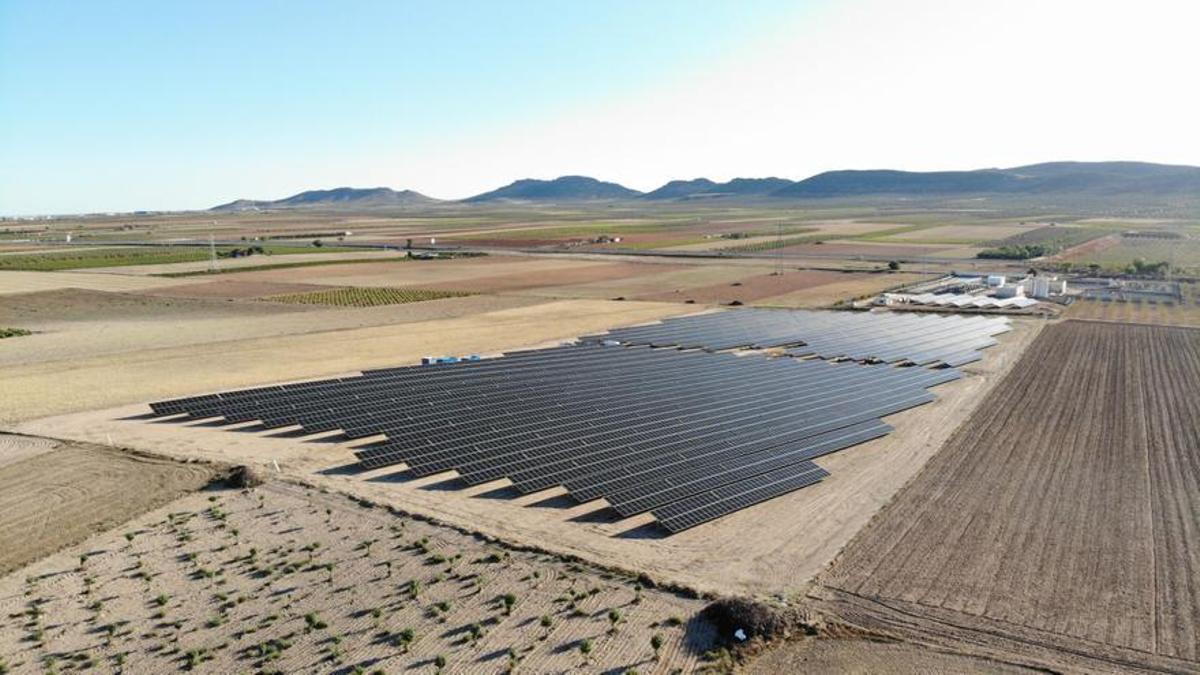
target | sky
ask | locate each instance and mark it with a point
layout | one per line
(151, 105)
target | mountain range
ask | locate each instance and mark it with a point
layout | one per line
(1051, 179)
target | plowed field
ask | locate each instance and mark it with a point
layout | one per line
(58, 495)
(1060, 523)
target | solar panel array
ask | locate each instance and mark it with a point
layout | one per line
(889, 337)
(688, 436)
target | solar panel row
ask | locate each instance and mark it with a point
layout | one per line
(862, 336)
(686, 435)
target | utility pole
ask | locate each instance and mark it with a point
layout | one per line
(212, 253)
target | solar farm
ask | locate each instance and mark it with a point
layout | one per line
(662, 419)
(251, 472)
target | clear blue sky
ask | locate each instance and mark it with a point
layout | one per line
(109, 105)
(101, 100)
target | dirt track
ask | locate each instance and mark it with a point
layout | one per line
(58, 496)
(1061, 518)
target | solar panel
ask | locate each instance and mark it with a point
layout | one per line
(687, 431)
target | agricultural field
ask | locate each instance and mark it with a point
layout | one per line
(1182, 255)
(56, 494)
(957, 234)
(1183, 313)
(91, 258)
(753, 288)
(364, 297)
(1057, 526)
(283, 578)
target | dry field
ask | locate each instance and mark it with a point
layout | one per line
(851, 249)
(774, 547)
(100, 364)
(752, 288)
(57, 494)
(32, 282)
(659, 279)
(868, 657)
(1187, 314)
(583, 272)
(426, 274)
(232, 287)
(966, 234)
(283, 578)
(1058, 527)
(15, 448)
(852, 287)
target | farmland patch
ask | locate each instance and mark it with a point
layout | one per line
(1061, 514)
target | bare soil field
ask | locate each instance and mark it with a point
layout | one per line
(283, 578)
(51, 308)
(774, 547)
(1187, 314)
(1058, 526)
(580, 273)
(100, 365)
(851, 249)
(866, 657)
(14, 448)
(233, 288)
(32, 282)
(250, 261)
(668, 280)
(832, 229)
(966, 234)
(850, 288)
(749, 289)
(57, 496)
(426, 274)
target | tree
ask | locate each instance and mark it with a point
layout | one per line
(656, 643)
(894, 265)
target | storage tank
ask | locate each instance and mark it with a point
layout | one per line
(995, 280)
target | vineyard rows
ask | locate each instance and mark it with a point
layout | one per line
(365, 297)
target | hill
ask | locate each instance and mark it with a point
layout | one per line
(342, 197)
(702, 188)
(566, 188)
(1052, 178)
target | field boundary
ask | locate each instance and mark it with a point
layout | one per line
(967, 634)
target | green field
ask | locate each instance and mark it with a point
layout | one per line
(53, 261)
(1183, 255)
